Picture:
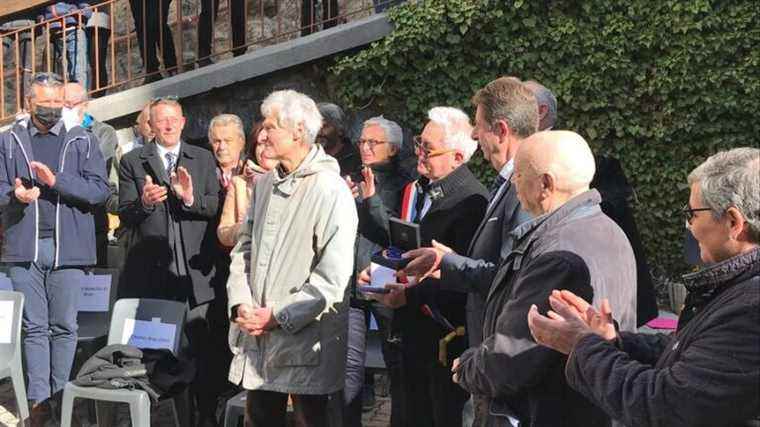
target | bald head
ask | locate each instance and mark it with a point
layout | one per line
(74, 94)
(550, 168)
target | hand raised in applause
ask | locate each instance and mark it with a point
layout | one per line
(152, 194)
(182, 184)
(43, 173)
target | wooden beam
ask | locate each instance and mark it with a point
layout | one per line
(10, 7)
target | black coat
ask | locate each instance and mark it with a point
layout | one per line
(147, 269)
(575, 247)
(706, 374)
(451, 220)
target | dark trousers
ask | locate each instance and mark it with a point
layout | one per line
(65, 44)
(309, 19)
(208, 16)
(268, 409)
(97, 53)
(153, 33)
(433, 400)
(392, 356)
(206, 329)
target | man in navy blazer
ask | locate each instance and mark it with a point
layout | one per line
(506, 114)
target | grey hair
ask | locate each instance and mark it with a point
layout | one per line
(293, 108)
(333, 115)
(392, 130)
(544, 96)
(732, 179)
(457, 130)
(44, 80)
(227, 120)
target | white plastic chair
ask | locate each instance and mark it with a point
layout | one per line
(171, 312)
(10, 353)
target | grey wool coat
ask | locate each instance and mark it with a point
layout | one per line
(295, 254)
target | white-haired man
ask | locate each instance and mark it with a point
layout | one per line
(289, 273)
(448, 203)
(506, 114)
(569, 244)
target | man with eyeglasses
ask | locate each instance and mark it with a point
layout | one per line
(447, 202)
(51, 179)
(506, 114)
(168, 202)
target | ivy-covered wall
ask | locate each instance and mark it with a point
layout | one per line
(659, 84)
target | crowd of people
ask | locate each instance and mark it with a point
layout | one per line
(520, 307)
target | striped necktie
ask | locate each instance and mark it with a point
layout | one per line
(170, 163)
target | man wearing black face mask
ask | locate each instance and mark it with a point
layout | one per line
(51, 179)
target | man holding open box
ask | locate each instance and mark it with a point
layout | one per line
(447, 203)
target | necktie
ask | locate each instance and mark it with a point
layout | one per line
(497, 183)
(170, 163)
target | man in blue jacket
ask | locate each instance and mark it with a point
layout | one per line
(51, 179)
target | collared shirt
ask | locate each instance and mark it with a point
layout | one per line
(506, 173)
(163, 150)
(55, 130)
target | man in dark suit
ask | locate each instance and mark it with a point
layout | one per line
(168, 199)
(506, 114)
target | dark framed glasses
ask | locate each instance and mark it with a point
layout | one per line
(688, 213)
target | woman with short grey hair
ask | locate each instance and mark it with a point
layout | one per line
(707, 372)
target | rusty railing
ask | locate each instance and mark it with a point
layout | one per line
(101, 46)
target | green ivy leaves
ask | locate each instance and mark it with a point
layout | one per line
(659, 85)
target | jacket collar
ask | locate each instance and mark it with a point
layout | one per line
(705, 285)
(151, 149)
(55, 130)
(444, 192)
(584, 202)
(725, 272)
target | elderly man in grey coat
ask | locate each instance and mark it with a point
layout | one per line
(290, 271)
(569, 244)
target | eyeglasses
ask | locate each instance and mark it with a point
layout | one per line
(688, 213)
(371, 143)
(421, 150)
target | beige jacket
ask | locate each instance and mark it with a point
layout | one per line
(236, 205)
(295, 255)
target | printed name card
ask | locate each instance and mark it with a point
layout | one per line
(149, 334)
(95, 292)
(6, 321)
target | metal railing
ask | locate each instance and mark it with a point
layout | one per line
(103, 48)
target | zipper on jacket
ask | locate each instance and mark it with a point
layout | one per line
(62, 162)
(36, 202)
